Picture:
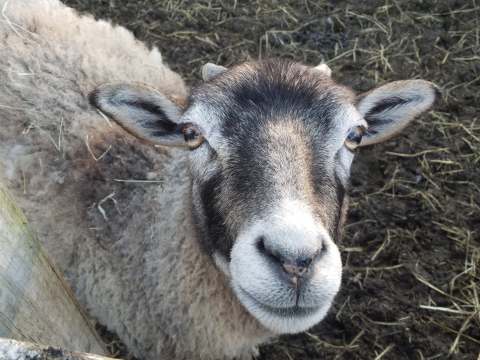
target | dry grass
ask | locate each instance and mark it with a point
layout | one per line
(412, 245)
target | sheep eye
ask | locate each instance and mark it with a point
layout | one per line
(354, 137)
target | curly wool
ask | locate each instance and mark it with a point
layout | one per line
(113, 213)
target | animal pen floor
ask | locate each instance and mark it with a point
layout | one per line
(411, 248)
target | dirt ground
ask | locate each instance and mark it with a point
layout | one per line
(412, 245)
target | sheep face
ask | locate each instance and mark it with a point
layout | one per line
(271, 144)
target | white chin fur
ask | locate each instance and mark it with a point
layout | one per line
(282, 324)
(267, 296)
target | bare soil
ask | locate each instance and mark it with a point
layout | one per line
(412, 244)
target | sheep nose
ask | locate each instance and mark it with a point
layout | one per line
(294, 267)
(297, 268)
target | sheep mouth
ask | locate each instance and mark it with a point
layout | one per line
(289, 312)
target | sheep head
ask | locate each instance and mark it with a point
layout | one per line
(270, 146)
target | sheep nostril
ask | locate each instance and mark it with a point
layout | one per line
(263, 249)
(304, 263)
(322, 250)
(261, 244)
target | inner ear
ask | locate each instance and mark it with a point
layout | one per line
(146, 114)
(388, 109)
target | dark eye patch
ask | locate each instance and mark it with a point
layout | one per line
(216, 237)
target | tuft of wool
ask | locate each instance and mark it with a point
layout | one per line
(113, 213)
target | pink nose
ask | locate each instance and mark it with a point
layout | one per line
(294, 267)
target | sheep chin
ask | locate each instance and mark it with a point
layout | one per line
(291, 320)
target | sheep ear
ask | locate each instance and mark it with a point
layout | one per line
(146, 114)
(388, 109)
(209, 71)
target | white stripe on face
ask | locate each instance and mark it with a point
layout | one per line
(294, 227)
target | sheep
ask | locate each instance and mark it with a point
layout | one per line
(212, 229)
